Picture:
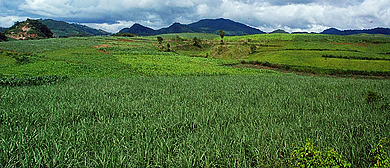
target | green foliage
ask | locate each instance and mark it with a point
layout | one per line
(21, 58)
(314, 156)
(372, 96)
(379, 154)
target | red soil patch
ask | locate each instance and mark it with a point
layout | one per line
(125, 40)
(101, 46)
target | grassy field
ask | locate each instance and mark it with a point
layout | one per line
(105, 57)
(225, 121)
(127, 102)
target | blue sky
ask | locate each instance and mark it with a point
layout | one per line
(266, 15)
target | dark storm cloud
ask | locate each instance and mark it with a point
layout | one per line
(292, 15)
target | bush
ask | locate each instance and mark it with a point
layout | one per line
(380, 156)
(21, 58)
(312, 156)
(253, 48)
(372, 96)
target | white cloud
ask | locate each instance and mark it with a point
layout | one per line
(110, 27)
(8, 21)
(182, 3)
(203, 10)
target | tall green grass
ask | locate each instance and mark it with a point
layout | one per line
(216, 121)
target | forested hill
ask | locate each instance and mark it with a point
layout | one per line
(212, 26)
(335, 31)
(64, 29)
(29, 29)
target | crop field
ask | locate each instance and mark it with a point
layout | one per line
(132, 102)
(328, 53)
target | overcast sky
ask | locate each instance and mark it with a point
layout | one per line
(266, 15)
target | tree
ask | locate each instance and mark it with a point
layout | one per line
(222, 34)
(160, 39)
(197, 42)
(168, 47)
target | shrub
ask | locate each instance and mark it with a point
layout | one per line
(372, 96)
(313, 156)
(21, 59)
(380, 156)
(253, 48)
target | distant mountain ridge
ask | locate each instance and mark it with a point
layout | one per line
(2, 29)
(203, 26)
(335, 31)
(139, 30)
(64, 29)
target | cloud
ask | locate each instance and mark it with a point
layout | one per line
(8, 21)
(268, 14)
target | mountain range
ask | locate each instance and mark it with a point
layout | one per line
(64, 29)
(2, 29)
(212, 26)
(335, 31)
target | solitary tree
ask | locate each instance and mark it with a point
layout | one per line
(197, 42)
(222, 34)
(160, 39)
(168, 47)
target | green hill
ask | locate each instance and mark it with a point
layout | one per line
(64, 29)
